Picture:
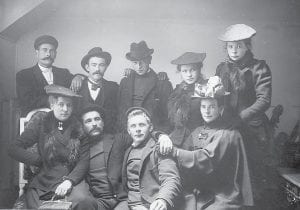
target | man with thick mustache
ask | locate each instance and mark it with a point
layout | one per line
(30, 82)
(106, 158)
(96, 90)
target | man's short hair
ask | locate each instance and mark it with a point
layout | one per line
(139, 111)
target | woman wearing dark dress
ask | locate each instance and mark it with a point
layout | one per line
(250, 82)
(184, 112)
(63, 152)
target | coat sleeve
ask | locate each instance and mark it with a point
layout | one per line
(263, 88)
(26, 93)
(82, 166)
(165, 89)
(169, 178)
(207, 159)
(18, 149)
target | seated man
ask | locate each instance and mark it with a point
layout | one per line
(104, 175)
(63, 152)
(151, 180)
(213, 158)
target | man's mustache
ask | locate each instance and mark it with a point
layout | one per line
(47, 58)
(98, 72)
(95, 129)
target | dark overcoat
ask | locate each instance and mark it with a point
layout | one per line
(155, 99)
(30, 85)
(60, 156)
(158, 176)
(107, 99)
(213, 161)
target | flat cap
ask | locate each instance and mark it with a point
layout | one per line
(137, 108)
(237, 32)
(60, 90)
(92, 107)
(45, 39)
(189, 58)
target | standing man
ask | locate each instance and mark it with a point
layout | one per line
(143, 89)
(96, 90)
(30, 82)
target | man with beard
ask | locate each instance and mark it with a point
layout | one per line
(30, 82)
(96, 90)
(106, 157)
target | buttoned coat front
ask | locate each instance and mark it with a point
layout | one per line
(30, 85)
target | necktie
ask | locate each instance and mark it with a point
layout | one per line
(95, 86)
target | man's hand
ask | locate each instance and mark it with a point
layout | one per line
(63, 188)
(127, 72)
(76, 83)
(165, 144)
(158, 204)
(162, 75)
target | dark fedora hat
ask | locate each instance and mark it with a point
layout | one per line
(139, 51)
(92, 107)
(95, 52)
(60, 90)
(45, 39)
(189, 58)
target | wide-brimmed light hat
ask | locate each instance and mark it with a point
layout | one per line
(60, 90)
(237, 32)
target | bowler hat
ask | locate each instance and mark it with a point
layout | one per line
(60, 90)
(95, 52)
(92, 107)
(213, 89)
(45, 39)
(237, 32)
(139, 51)
(137, 108)
(189, 58)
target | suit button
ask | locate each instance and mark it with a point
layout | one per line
(115, 196)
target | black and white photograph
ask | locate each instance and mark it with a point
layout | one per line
(150, 104)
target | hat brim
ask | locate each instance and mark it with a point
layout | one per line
(138, 58)
(105, 55)
(61, 91)
(206, 97)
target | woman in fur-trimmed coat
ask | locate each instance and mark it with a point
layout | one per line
(63, 152)
(184, 112)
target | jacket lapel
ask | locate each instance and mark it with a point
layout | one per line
(102, 94)
(107, 145)
(39, 76)
(124, 167)
(146, 152)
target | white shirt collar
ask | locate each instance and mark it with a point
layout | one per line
(44, 69)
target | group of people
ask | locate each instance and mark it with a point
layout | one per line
(142, 145)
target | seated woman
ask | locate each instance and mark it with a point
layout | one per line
(63, 152)
(213, 158)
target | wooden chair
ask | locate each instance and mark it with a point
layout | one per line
(23, 122)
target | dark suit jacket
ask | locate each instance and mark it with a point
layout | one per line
(159, 176)
(107, 99)
(30, 86)
(155, 100)
(113, 171)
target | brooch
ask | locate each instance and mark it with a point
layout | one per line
(202, 136)
(60, 127)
